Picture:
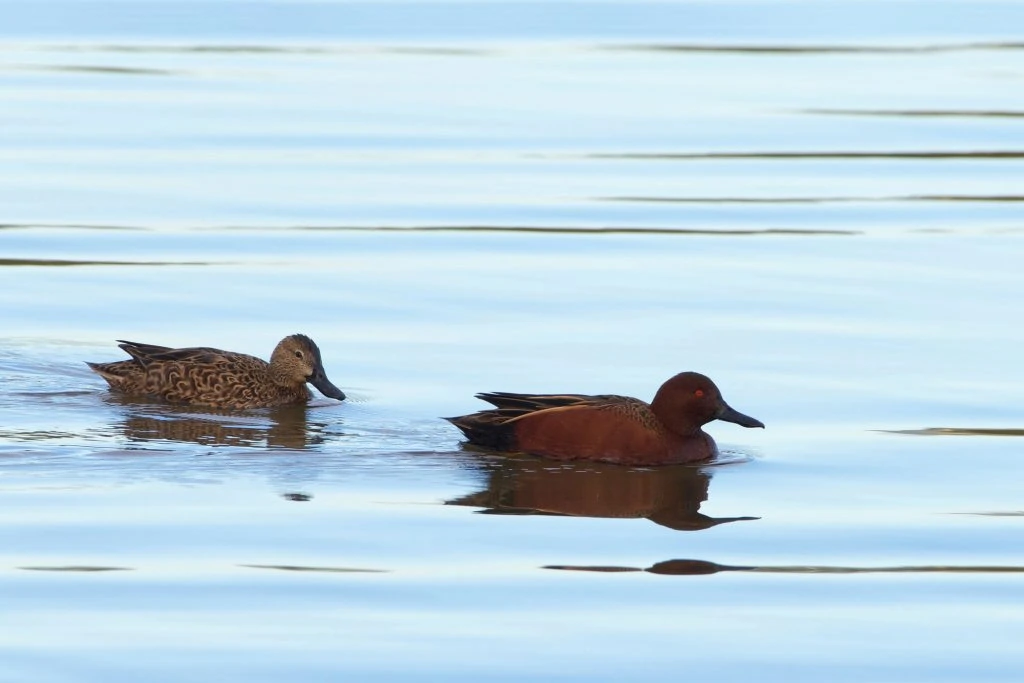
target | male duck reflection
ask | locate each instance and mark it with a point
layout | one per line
(605, 428)
(669, 496)
(203, 376)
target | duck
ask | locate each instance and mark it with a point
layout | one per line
(204, 376)
(606, 428)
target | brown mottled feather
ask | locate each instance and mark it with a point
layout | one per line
(212, 377)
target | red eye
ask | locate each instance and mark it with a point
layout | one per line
(699, 393)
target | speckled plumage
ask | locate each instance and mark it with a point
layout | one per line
(605, 428)
(222, 379)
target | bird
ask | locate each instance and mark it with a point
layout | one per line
(606, 428)
(204, 376)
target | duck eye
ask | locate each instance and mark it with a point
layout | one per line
(298, 354)
(699, 393)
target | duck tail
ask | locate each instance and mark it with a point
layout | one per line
(114, 373)
(491, 429)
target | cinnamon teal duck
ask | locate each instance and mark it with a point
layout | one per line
(606, 428)
(204, 376)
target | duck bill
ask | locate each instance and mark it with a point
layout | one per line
(319, 380)
(736, 417)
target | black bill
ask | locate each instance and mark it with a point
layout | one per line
(319, 380)
(734, 416)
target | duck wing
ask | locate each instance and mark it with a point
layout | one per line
(525, 403)
(146, 354)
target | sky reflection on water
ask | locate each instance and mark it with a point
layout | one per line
(818, 205)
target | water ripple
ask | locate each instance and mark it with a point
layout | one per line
(958, 431)
(994, 198)
(953, 113)
(837, 154)
(700, 567)
(815, 49)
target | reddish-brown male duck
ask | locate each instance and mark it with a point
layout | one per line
(606, 428)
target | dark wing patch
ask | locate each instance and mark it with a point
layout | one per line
(135, 349)
(198, 355)
(489, 428)
(531, 402)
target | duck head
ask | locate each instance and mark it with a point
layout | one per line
(690, 400)
(296, 360)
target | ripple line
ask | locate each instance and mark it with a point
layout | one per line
(957, 431)
(924, 154)
(68, 262)
(686, 567)
(815, 49)
(815, 200)
(965, 113)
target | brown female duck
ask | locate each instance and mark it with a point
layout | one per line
(222, 379)
(606, 428)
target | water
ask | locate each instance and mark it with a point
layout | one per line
(816, 205)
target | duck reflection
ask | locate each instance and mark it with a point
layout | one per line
(669, 496)
(686, 567)
(283, 427)
(673, 567)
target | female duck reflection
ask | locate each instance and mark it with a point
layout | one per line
(286, 427)
(669, 496)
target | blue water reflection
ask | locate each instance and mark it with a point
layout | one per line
(816, 204)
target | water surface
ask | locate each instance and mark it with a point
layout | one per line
(817, 207)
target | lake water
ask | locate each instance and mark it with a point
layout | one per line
(816, 204)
